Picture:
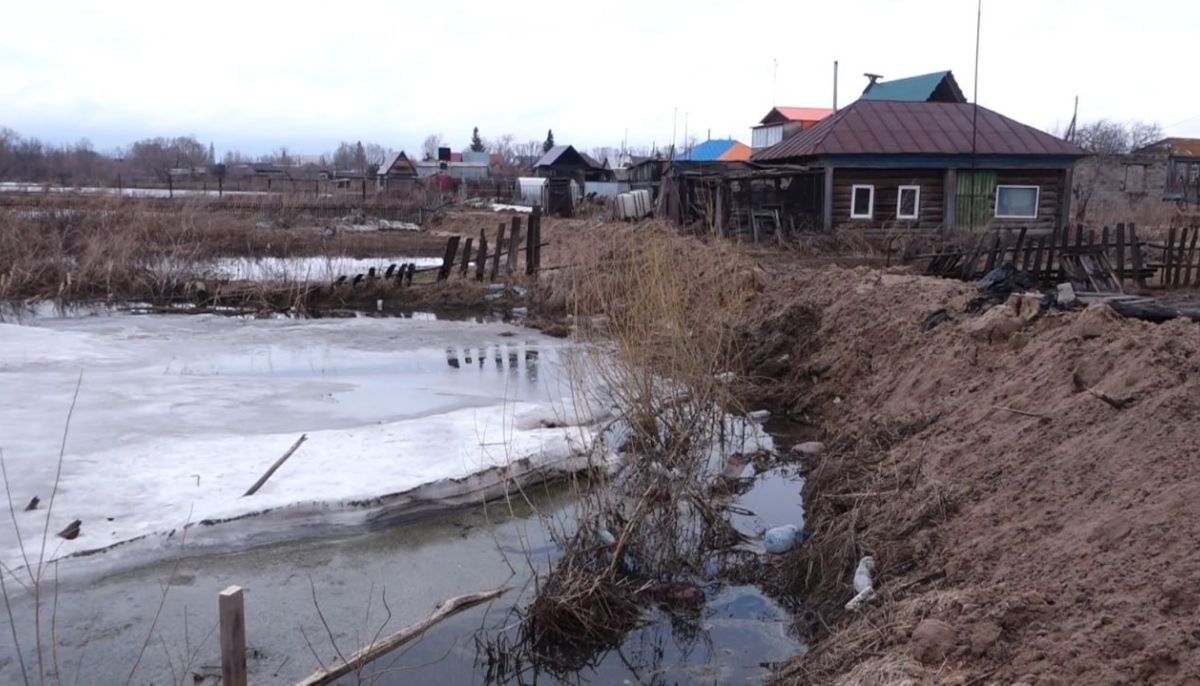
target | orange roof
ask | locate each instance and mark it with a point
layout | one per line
(738, 152)
(813, 114)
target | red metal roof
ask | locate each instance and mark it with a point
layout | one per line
(797, 114)
(868, 127)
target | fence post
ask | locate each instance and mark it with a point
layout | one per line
(1168, 261)
(1121, 253)
(481, 257)
(514, 246)
(448, 258)
(1139, 277)
(537, 239)
(232, 613)
(499, 249)
(466, 257)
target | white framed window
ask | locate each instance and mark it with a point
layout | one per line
(862, 202)
(1017, 202)
(908, 202)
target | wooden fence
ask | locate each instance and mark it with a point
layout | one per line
(508, 253)
(1134, 260)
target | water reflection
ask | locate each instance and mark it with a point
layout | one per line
(520, 359)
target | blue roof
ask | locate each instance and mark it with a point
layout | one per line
(911, 89)
(709, 151)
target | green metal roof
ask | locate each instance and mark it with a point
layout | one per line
(911, 89)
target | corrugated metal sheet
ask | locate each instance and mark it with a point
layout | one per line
(909, 89)
(916, 128)
(1175, 146)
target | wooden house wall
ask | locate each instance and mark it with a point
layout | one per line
(887, 184)
(933, 197)
(1050, 197)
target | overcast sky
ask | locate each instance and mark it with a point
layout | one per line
(257, 75)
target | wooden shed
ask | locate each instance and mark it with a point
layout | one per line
(932, 165)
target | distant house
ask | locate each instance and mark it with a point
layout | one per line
(784, 122)
(938, 86)
(399, 172)
(1181, 157)
(720, 150)
(923, 164)
(564, 161)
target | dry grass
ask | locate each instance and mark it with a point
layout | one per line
(657, 317)
(106, 248)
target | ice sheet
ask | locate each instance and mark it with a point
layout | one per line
(178, 415)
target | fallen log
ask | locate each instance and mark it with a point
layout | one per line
(445, 609)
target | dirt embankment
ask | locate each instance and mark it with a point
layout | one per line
(1025, 529)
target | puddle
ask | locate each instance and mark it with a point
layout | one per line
(736, 637)
(774, 498)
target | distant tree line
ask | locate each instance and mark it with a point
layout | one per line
(24, 158)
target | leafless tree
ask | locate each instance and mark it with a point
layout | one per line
(1107, 137)
(504, 147)
(429, 148)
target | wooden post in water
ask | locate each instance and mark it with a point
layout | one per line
(481, 257)
(448, 258)
(499, 249)
(232, 613)
(466, 258)
(514, 246)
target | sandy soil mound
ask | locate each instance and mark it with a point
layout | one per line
(1029, 484)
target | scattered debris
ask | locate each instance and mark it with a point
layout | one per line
(809, 449)
(759, 416)
(72, 531)
(863, 585)
(934, 318)
(782, 538)
(995, 287)
(1065, 296)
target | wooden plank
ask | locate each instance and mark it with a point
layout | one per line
(481, 257)
(1139, 277)
(448, 258)
(466, 256)
(1121, 253)
(232, 612)
(1047, 274)
(1024, 260)
(1066, 244)
(537, 241)
(1104, 239)
(1037, 259)
(1079, 235)
(1177, 276)
(514, 246)
(993, 254)
(499, 249)
(1168, 253)
(1191, 259)
(1091, 238)
(1017, 248)
(968, 271)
